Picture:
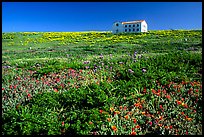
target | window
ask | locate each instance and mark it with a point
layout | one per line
(129, 25)
(125, 30)
(117, 24)
(137, 25)
(133, 29)
(144, 26)
(137, 29)
(117, 31)
(133, 25)
(129, 30)
(126, 26)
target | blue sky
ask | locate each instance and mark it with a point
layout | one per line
(98, 16)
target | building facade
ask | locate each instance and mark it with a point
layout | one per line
(130, 27)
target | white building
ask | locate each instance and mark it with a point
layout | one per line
(130, 27)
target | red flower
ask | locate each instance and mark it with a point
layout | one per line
(55, 90)
(159, 91)
(90, 122)
(160, 106)
(101, 111)
(182, 113)
(10, 86)
(134, 120)
(153, 91)
(133, 133)
(150, 123)
(196, 90)
(29, 95)
(2, 88)
(125, 108)
(62, 123)
(178, 102)
(168, 96)
(170, 127)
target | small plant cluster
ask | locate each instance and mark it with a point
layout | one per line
(168, 110)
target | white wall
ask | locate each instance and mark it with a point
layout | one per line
(132, 27)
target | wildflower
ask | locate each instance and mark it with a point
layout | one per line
(137, 104)
(182, 113)
(126, 117)
(86, 62)
(130, 71)
(109, 119)
(178, 102)
(137, 126)
(121, 107)
(124, 98)
(111, 109)
(153, 91)
(170, 127)
(143, 113)
(116, 112)
(168, 96)
(144, 70)
(55, 90)
(196, 90)
(29, 95)
(134, 120)
(101, 111)
(189, 119)
(166, 127)
(2, 88)
(160, 125)
(114, 128)
(160, 106)
(125, 108)
(90, 122)
(133, 133)
(150, 123)
(62, 123)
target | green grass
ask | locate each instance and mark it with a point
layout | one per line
(86, 83)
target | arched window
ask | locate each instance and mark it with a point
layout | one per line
(117, 24)
(125, 30)
(129, 30)
(133, 29)
(133, 25)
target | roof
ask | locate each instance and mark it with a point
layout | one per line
(133, 22)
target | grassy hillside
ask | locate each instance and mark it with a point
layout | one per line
(82, 83)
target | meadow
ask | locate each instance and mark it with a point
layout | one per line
(99, 83)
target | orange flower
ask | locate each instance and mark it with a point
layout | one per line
(189, 119)
(143, 113)
(109, 119)
(166, 127)
(126, 116)
(121, 107)
(111, 109)
(116, 112)
(137, 126)
(133, 133)
(182, 113)
(90, 122)
(160, 125)
(114, 128)
(160, 117)
(136, 104)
